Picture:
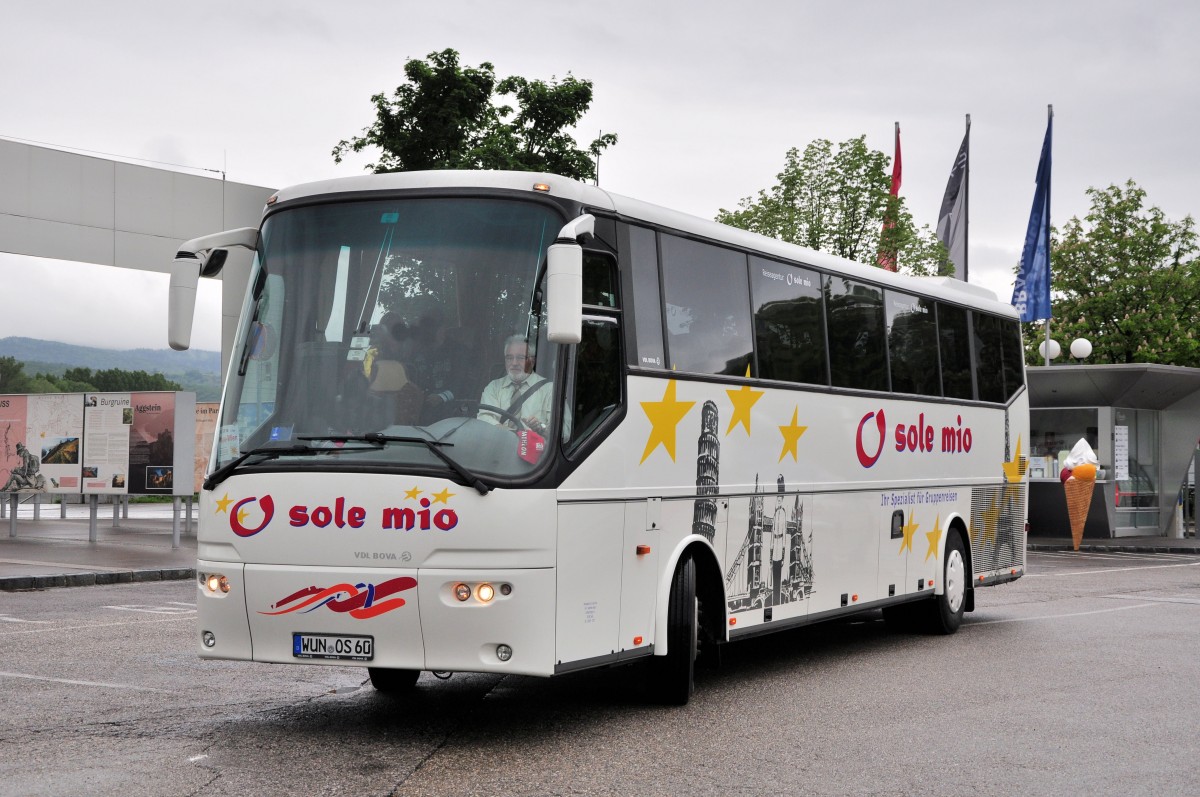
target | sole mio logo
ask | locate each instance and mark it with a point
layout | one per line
(249, 516)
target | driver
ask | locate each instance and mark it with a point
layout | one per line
(520, 392)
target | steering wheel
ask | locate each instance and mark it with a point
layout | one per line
(477, 406)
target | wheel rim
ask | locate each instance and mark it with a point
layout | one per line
(955, 580)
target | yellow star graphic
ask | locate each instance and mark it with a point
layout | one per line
(743, 399)
(412, 494)
(223, 503)
(664, 417)
(443, 497)
(791, 436)
(241, 516)
(991, 519)
(933, 537)
(1014, 471)
(909, 530)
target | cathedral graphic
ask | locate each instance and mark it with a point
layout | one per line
(774, 564)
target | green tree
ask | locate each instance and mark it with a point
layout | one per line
(117, 380)
(1127, 278)
(13, 378)
(835, 198)
(452, 117)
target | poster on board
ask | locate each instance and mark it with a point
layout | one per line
(152, 444)
(107, 418)
(40, 437)
(206, 431)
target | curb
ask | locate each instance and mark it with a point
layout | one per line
(1093, 548)
(19, 583)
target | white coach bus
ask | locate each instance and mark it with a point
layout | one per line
(512, 423)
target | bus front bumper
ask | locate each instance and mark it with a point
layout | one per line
(498, 620)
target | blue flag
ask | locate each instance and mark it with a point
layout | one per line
(1031, 292)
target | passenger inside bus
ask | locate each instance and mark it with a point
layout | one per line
(397, 399)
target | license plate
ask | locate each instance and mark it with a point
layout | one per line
(349, 647)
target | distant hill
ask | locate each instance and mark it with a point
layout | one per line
(196, 370)
(162, 361)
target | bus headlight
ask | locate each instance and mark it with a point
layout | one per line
(215, 583)
(462, 592)
(485, 592)
(503, 652)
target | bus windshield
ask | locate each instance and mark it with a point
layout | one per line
(402, 334)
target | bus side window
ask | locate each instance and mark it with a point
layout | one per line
(989, 375)
(1014, 357)
(789, 322)
(708, 307)
(599, 281)
(954, 338)
(596, 392)
(647, 298)
(857, 346)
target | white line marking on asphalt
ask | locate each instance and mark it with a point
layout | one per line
(1178, 599)
(1115, 555)
(1062, 616)
(137, 607)
(81, 683)
(4, 618)
(1107, 570)
(196, 758)
(96, 625)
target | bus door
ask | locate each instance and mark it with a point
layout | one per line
(895, 549)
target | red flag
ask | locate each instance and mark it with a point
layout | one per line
(887, 260)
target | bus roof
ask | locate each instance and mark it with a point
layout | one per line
(634, 210)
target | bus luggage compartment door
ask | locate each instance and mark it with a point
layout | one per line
(335, 615)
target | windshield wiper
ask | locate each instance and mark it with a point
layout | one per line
(435, 447)
(267, 452)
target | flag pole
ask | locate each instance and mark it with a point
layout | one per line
(1049, 117)
(967, 204)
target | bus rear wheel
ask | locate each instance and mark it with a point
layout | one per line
(946, 615)
(675, 673)
(393, 682)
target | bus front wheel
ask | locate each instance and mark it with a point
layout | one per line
(675, 672)
(393, 682)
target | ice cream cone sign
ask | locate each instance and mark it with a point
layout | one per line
(1078, 488)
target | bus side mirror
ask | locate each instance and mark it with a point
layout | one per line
(195, 258)
(564, 282)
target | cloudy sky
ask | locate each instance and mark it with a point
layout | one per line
(706, 98)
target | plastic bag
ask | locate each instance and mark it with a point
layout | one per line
(1081, 453)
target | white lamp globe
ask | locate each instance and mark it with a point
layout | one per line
(1055, 349)
(1081, 348)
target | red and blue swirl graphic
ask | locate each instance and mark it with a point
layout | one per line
(360, 601)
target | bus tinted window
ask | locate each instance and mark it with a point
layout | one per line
(599, 285)
(856, 334)
(789, 325)
(643, 258)
(954, 345)
(912, 344)
(1014, 357)
(989, 376)
(708, 308)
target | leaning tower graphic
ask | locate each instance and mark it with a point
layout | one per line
(708, 454)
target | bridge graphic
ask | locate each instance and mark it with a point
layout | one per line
(774, 564)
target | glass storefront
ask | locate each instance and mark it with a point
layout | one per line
(1053, 433)
(1127, 445)
(1135, 467)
